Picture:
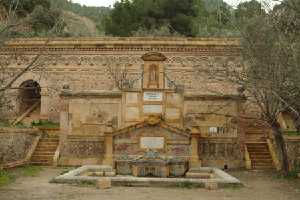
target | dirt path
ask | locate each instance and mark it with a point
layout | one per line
(259, 186)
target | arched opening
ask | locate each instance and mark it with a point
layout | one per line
(30, 95)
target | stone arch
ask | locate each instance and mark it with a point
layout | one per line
(29, 95)
(30, 76)
(40, 79)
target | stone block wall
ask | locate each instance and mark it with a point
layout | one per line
(293, 149)
(86, 64)
(82, 150)
(220, 152)
(15, 144)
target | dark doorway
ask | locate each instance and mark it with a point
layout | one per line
(30, 94)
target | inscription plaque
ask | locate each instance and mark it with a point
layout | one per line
(153, 109)
(152, 142)
(153, 96)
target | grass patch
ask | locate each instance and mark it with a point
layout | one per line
(9, 176)
(186, 184)
(30, 170)
(292, 133)
(232, 186)
(6, 178)
(4, 124)
(44, 124)
(86, 184)
(291, 175)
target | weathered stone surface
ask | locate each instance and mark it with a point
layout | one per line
(15, 144)
(104, 183)
(211, 185)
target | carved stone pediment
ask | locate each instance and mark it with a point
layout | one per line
(154, 56)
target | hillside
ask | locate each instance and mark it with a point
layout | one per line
(91, 14)
(77, 25)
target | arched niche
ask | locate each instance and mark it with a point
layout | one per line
(29, 95)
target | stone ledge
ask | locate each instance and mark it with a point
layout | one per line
(195, 96)
(19, 131)
(129, 41)
(222, 179)
(92, 93)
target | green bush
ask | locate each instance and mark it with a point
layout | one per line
(44, 124)
(6, 178)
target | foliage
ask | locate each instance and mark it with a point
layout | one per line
(29, 170)
(9, 176)
(175, 17)
(96, 14)
(129, 16)
(44, 124)
(292, 133)
(43, 20)
(271, 50)
(39, 14)
(6, 178)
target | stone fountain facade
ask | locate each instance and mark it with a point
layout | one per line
(118, 98)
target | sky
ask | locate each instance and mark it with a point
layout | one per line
(111, 2)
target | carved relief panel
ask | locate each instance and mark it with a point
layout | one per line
(153, 71)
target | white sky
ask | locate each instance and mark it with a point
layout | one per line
(111, 2)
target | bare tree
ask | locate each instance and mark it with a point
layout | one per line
(270, 76)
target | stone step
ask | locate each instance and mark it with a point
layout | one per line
(260, 145)
(261, 161)
(258, 150)
(48, 144)
(42, 156)
(256, 166)
(44, 153)
(49, 140)
(259, 153)
(263, 167)
(51, 148)
(260, 156)
(42, 163)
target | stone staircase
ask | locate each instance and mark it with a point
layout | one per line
(260, 156)
(45, 150)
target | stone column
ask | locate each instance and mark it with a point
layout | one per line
(195, 159)
(44, 103)
(108, 143)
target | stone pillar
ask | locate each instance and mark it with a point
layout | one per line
(108, 143)
(64, 122)
(44, 103)
(195, 159)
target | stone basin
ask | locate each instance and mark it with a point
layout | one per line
(199, 177)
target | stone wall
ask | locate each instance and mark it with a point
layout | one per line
(293, 149)
(82, 150)
(15, 144)
(85, 64)
(220, 152)
(129, 146)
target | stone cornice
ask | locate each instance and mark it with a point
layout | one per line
(142, 44)
(95, 94)
(145, 123)
(19, 131)
(195, 96)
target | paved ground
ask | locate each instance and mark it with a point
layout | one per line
(258, 186)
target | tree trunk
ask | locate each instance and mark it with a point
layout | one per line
(278, 134)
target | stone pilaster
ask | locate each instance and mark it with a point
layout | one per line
(195, 160)
(108, 143)
(45, 100)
